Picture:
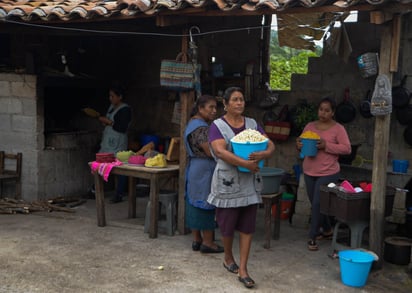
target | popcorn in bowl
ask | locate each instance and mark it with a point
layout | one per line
(310, 135)
(249, 135)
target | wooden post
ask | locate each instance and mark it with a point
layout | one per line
(396, 32)
(380, 154)
(186, 103)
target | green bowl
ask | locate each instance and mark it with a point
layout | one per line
(124, 156)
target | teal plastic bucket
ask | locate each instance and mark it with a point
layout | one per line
(244, 149)
(271, 179)
(354, 267)
(309, 148)
(400, 166)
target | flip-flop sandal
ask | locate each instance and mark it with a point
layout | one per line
(233, 267)
(247, 281)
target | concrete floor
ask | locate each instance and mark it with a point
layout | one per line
(64, 252)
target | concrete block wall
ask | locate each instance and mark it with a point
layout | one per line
(56, 170)
(329, 75)
(20, 126)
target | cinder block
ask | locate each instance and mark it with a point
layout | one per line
(4, 89)
(399, 200)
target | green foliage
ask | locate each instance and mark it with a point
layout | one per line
(285, 61)
(305, 113)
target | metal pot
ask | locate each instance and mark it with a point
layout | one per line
(407, 134)
(404, 115)
(400, 94)
(365, 106)
(345, 111)
(397, 250)
(348, 159)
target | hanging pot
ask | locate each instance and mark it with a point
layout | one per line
(345, 111)
(404, 114)
(365, 106)
(400, 94)
(407, 134)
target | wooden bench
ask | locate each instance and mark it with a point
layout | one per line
(268, 201)
(10, 171)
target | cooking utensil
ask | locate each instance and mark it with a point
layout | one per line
(397, 250)
(359, 161)
(400, 94)
(348, 159)
(404, 114)
(365, 106)
(345, 111)
(91, 112)
(407, 134)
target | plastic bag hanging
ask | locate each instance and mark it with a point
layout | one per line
(197, 67)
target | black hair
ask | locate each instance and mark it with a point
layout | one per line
(117, 88)
(229, 91)
(201, 102)
(329, 100)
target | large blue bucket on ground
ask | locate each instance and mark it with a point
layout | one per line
(309, 148)
(354, 267)
(244, 149)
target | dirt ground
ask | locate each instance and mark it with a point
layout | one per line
(68, 252)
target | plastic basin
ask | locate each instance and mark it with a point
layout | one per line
(244, 149)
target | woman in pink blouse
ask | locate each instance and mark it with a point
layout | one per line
(323, 168)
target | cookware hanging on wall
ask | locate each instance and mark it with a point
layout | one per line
(407, 134)
(400, 94)
(365, 106)
(404, 114)
(345, 111)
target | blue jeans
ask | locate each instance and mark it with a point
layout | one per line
(318, 220)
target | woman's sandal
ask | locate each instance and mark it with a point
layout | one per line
(247, 281)
(312, 245)
(233, 267)
(326, 236)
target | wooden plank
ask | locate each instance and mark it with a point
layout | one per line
(396, 33)
(186, 103)
(380, 158)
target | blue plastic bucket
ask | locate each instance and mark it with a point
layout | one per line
(400, 166)
(244, 149)
(354, 267)
(309, 148)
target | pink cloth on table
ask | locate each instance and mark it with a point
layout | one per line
(104, 168)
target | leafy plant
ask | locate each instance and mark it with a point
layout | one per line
(285, 61)
(303, 114)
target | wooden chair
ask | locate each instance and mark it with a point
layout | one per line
(9, 173)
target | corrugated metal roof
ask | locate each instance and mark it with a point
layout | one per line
(66, 10)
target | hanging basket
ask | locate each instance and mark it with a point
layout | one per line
(277, 130)
(176, 74)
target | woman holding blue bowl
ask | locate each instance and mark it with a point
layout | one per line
(323, 168)
(236, 194)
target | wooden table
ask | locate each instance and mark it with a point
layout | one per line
(133, 172)
(268, 201)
